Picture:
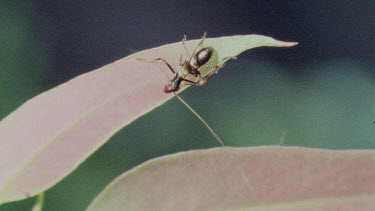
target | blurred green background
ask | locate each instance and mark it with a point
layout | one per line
(317, 94)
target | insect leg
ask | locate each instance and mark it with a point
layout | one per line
(160, 59)
(186, 50)
(184, 47)
(191, 82)
(212, 72)
(199, 44)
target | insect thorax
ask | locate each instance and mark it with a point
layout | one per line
(183, 71)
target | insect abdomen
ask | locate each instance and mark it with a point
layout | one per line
(201, 57)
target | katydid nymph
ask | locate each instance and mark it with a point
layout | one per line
(190, 73)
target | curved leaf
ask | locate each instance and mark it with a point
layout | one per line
(50, 135)
(260, 178)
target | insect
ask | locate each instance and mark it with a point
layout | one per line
(190, 70)
(197, 70)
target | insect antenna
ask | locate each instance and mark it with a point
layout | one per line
(201, 119)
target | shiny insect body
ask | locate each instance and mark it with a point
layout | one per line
(200, 67)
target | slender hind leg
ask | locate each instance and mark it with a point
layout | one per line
(199, 44)
(212, 72)
(160, 59)
(184, 48)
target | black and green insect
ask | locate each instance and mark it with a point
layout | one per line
(197, 70)
(200, 67)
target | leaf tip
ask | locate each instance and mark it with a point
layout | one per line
(293, 44)
(279, 43)
(289, 44)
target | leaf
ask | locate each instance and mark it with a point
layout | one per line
(261, 178)
(50, 135)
